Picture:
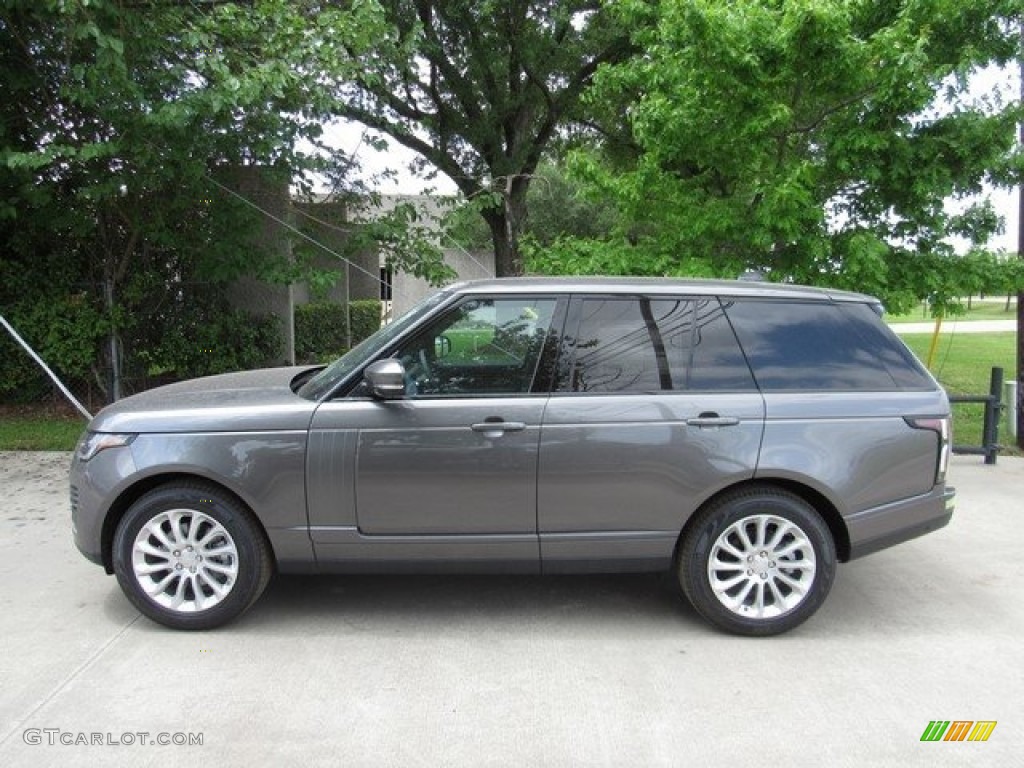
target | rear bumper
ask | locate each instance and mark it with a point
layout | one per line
(885, 526)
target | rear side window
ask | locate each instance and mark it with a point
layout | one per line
(636, 344)
(905, 369)
(820, 346)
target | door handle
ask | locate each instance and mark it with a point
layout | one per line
(712, 420)
(499, 426)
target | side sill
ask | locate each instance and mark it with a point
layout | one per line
(607, 551)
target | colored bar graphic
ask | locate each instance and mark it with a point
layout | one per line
(982, 730)
(958, 730)
(935, 730)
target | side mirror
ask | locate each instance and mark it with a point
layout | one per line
(385, 379)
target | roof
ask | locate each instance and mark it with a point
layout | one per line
(657, 285)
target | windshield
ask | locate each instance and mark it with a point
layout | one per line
(333, 374)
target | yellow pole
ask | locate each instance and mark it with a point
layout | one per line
(935, 341)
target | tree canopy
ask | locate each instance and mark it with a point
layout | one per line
(116, 120)
(480, 88)
(814, 140)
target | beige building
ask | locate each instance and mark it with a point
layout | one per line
(407, 290)
(318, 230)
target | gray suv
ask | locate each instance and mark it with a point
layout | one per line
(745, 436)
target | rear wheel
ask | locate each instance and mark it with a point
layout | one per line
(190, 557)
(758, 561)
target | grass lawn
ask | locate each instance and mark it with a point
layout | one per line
(465, 343)
(39, 428)
(963, 365)
(989, 309)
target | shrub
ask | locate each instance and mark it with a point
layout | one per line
(206, 343)
(185, 338)
(365, 319)
(320, 328)
(65, 331)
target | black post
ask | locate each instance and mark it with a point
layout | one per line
(1020, 255)
(1020, 354)
(990, 431)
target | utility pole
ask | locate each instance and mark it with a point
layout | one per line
(1020, 255)
(115, 351)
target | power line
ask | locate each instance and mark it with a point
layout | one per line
(347, 230)
(487, 271)
(292, 228)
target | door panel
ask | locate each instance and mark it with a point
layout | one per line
(411, 482)
(450, 470)
(655, 410)
(422, 468)
(632, 463)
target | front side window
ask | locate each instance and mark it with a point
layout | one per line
(636, 344)
(484, 346)
(330, 377)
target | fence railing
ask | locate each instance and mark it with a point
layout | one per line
(989, 447)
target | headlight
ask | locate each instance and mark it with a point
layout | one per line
(94, 442)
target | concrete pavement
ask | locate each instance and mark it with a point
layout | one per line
(503, 671)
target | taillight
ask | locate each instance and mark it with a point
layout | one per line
(943, 427)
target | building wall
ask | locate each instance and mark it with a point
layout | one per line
(408, 290)
(327, 222)
(259, 187)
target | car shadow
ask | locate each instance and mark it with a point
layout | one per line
(415, 600)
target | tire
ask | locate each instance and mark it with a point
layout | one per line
(758, 561)
(189, 556)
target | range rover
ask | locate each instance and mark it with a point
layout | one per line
(746, 437)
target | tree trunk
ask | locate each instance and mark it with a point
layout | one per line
(506, 224)
(113, 342)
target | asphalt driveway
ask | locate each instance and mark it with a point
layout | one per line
(478, 671)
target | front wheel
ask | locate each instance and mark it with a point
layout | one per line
(190, 557)
(757, 562)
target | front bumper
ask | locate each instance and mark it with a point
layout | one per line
(93, 484)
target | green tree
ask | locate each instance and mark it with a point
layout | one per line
(480, 88)
(557, 207)
(117, 118)
(814, 140)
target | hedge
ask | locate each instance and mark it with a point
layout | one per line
(320, 328)
(198, 339)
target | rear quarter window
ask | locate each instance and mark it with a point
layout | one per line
(794, 346)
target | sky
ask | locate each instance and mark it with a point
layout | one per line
(349, 138)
